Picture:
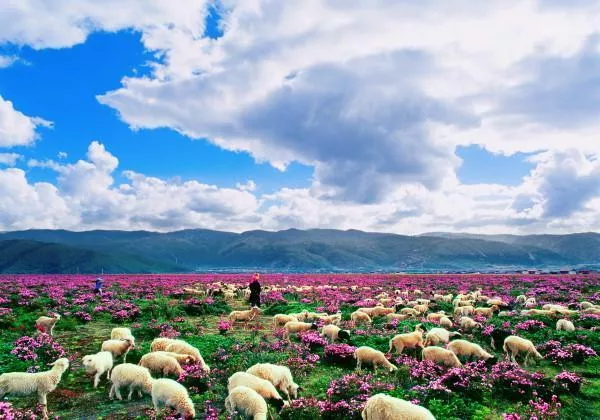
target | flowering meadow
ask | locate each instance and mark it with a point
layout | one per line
(564, 384)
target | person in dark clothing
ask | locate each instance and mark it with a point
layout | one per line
(98, 286)
(255, 290)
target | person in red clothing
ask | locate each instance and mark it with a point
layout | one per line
(255, 290)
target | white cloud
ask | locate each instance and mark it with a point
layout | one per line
(9, 159)
(249, 185)
(7, 60)
(62, 155)
(16, 128)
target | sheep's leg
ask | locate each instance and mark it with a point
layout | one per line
(111, 393)
(97, 379)
(51, 330)
(42, 398)
(155, 402)
(118, 392)
(125, 356)
(358, 364)
(108, 374)
(139, 391)
(131, 387)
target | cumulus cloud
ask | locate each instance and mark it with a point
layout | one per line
(16, 128)
(9, 159)
(7, 60)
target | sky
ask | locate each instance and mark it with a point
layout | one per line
(379, 115)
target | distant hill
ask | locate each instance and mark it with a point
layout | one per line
(37, 251)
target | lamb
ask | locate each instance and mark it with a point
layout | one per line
(467, 349)
(121, 334)
(530, 303)
(381, 311)
(421, 309)
(42, 383)
(384, 407)
(181, 358)
(118, 347)
(247, 402)
(281, 319)
(263, 387)
(439, 336)
(486, 312)
(160, 343)
(181, 347)
(294, 327)
(172, 394)
(366, 354)
(97, 364)
(245, 316)
(360, 316)
(467, 323)
(564, 325)
(133, 376)
(464, 310)
(45, 324)
(496, 301)
(408, 340)
(441, 356)
(332, 319)
(280, 376)
(446, 322)
(409, 312)
(161, 363)
(514, 345)
(435, 316)
(333, 333)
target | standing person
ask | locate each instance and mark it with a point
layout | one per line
(98, 286)
(255, 290)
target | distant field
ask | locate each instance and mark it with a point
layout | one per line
(156, 305)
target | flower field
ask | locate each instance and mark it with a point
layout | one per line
(564, 384)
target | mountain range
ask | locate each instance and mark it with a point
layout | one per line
(322, 250)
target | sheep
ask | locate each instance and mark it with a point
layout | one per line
(161, 343)
(384, 407)
(530, 303)
(281, 319)
(421, 309)
(161, 363)
(498, 336)
(464, 310)
(514, 345)
(409, 312)
(400, 317)
(294, 327)
(181, 347)
(121, 334)
(45, 324)
(263, 387)
(381, 311)
(133, 376)
(247, 402)
(496, 301)
(408, 340)
(529, 312)
(332, 319)
(446, 322)
(435, 316)
(486, 312)
(280, 376)
(172, 394)
(333, 332)
(461, 303)
(439, 336)
(245, 316)
(586, 305)
(97, 364)
(42, 383)
(360, 316)
(467, 349)
(521, 299)
(564, 325)
(467, 323)
(300, 316)
(441, 356)
(371, 356)
(118, 347)
(181, 358)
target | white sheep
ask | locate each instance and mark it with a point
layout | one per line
(464, 311)
(181, 358)
(161, 343)
(170, 393)
(245, 316)
(121, 333)
(407, 340)
(280, 376)
(513, 345)
(158, 362)
(564, 325)
(441, 356)
(333, 333)
(118, 347)
(446, 322)
(467, 349)
(586, 305)
(384, 407)
(247, 402)
(97, 364)
(45, 324)
(437, 336)
(521, 299)
(42, 383)
(281, 319)
(264, 388)
(369, 355)
(133, 376)
(294, 327)
(360, 317)
(467, 323)
(332, 319)
(436, 316)
(181, 347)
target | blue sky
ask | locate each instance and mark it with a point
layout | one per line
(241, 116)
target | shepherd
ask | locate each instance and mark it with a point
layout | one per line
(255, 290)
(98, 286)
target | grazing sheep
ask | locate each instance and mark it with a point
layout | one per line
(435, 317)
(446, 322)
(408, 340)
(381, 311)
(400, 317)
(97, 364)
(467, 323)
(384, 407)
(467, 349)
(118, 347)
(437, 336)
(185, 359)
(486, 312)
(529, 312)
(161, 363)
(409, 312)
(42, 383)
(281, 319)
(514, 345)
(360, 316)
(172, 394)
(464, 310)
(586, 305)
(280, 376)
(133, 376)
(161, 343)
(369, 355)
(245, 316)
(441, 356)
(300, 316)
(122, 334)
(294, 327)
(246, 401)
(181, 347)
(564, 325)
(530, 303)
(263, 387)
(333, 333)
(45, 324)
(496, 301)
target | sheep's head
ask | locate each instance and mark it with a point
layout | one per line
(280, 404)
(314, 326)
(87, 360)
(293, 390)
(344, 335)
(393, 368)
(188, 412)
(62, 363)
(130, 342)
(490, 361)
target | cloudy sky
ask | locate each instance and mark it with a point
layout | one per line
(381, 115)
